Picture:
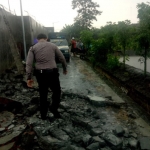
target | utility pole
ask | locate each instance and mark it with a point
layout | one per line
(53, 24)
(24, 41)
(9, 6)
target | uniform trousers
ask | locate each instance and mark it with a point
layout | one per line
(48, 78)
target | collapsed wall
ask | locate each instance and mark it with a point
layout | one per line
(11, 24)
(6, 58)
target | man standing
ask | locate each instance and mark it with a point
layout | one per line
(46, 72)
(73, 46)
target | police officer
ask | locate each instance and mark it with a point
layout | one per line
(46, 72)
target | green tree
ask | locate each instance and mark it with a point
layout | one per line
(98, 52)
(72, 30)
(68, 29)
(86, 37)
(108, 32)
(87, 12)
(123, 36)
(144, 30)
(95, 32)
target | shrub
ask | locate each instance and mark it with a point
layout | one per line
(112, 61)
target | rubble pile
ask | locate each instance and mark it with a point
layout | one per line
(83, 125)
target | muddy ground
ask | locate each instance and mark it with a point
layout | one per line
(96, 115)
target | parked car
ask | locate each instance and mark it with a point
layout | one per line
(63, 46)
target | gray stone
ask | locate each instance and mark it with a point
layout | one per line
(93, 146)
(119, 130)
(59, 134)
(6, 118)
(133, 143)
(94, 124)
(126, 134)
(86, 140)
(11, 126)
(125, 143)
(68, 129)
(81, 121)
(77, 139)
(45, 133)
(98, 139)
(34, 121)
(19, 115)
(144, 143)
(32, 109)
(2, 129)
(64, 105)
(105, 148)
(50, 143)
(72, 147)
(112, 140)
(96, 131)
(134, 135)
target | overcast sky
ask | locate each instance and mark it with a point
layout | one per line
(57, 13)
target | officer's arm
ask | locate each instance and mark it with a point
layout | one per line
(29, 64)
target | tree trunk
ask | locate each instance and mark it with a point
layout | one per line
(124, 55)
(145, 62)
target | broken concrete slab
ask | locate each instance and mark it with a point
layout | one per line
(144, 143)
(101, 101)
(6, 119)
(113, 140)
(7, 146)
(16, 132)
(143, 127)
(48, 142)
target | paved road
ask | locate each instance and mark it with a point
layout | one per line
(135, 62)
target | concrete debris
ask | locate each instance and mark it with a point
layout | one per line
(86, 123)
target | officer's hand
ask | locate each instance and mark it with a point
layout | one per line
(65, 72)
(29, 83)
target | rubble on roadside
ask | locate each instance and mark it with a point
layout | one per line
(85, 124)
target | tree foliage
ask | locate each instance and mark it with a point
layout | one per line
(69, 30)
(144, 24)
(98, 51)
(102, 42)
(86, 37)
(108, 33)
(72, 31)
(144, 30)
(123, 36)
(87, 12)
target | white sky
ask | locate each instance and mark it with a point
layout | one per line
(57, 13)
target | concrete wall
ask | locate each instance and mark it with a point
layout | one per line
(32, 29)
(6, 59)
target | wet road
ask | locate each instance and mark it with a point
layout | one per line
(137, 62)
(82, 79)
